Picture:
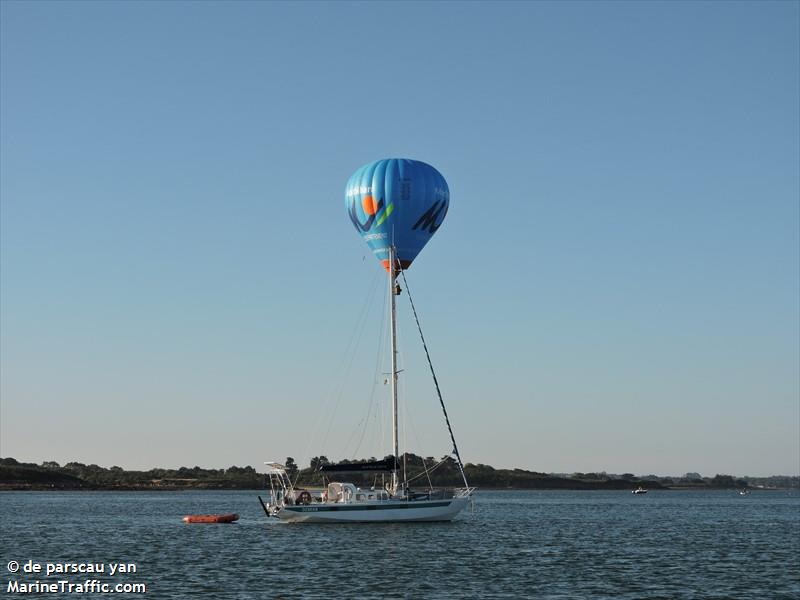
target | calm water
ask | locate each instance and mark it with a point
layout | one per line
(516, 545)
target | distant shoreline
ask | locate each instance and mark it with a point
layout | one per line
(44, 488)
(50, 476)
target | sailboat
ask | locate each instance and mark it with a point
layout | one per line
(396, 205)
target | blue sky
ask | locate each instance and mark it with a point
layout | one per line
(615, 286)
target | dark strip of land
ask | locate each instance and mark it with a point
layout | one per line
(15, 475)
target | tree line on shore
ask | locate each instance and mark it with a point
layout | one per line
(423, 472)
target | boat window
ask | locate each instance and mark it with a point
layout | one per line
(359, 497)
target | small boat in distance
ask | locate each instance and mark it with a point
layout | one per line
(744, 492)
(639, 490)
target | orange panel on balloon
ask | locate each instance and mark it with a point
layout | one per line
(369, 205)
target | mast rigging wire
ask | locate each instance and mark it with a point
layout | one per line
(349, 353)
(435, 381)
(376, 379)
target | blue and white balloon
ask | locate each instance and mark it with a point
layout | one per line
(397, 202)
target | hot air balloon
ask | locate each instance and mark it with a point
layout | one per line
(397, 202)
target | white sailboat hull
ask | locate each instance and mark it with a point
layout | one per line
(391, 511)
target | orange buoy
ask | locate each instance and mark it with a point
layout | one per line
(211, 518)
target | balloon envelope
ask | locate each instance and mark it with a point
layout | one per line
(397, 202)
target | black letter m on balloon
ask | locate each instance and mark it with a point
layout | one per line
(428, 220)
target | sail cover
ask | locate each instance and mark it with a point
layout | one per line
(376, 465)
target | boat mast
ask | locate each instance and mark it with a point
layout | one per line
(393, 336)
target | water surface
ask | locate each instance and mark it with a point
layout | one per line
(534, 544)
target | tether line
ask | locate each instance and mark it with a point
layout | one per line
(435, 381)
